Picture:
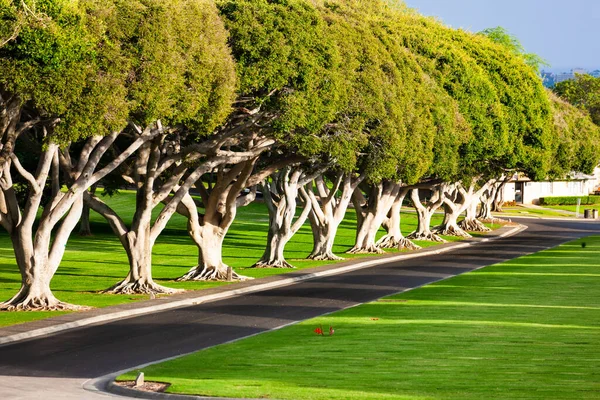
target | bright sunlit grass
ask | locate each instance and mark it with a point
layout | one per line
(502, 332)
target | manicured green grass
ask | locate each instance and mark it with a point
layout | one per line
(95, 263)
(524, 329)
(537, 212)
(574, 208)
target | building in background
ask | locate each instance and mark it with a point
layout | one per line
(523, 190)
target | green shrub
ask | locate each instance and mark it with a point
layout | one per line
(569, 200)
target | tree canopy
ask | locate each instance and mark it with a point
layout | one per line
(584, 92)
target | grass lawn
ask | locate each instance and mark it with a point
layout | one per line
(95, 263)
(528, 328)
(574, 208)
(533, 212)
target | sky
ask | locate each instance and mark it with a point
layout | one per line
(566, 33)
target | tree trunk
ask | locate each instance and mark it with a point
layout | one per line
(392, 224)
(424, 214)
(328, 212)
(487, 203)
(139, 279)
(36, 273)
(84, 223)
(324, 232)
(449, 226)
(456, 201)
(499, 198)
(209, 240)
(280, 197)
(381, 199)
(471, 223)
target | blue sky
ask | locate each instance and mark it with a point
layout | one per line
(564, 32)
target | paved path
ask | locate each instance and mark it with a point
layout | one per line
(56, 367)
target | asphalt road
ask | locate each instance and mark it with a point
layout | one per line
(77, 355)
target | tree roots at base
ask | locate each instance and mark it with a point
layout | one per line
(473, 225)
(40, 304)
(273, 264)
(211, 274)
(325, 257)
(366, 250)
(430, 237)
(136, 287)
(391, 242)
(452, 230)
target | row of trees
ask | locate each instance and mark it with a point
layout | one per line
(313, 103)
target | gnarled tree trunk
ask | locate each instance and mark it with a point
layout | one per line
(328, 211)
(280, 196)
(456, 201)
(487, 203)
(208, 230)
(39, 253)
(470, 223)
(424, 214)
(380, 201)
(392, 224)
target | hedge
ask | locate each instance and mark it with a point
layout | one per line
(569, 200)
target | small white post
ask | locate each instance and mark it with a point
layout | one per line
(139, 381)
(577, 209)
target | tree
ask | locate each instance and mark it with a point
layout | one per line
(503, 37)
(583, 92)
(60, 83)
(280, 194)
(191, 98)
(400, 109)
(577, 144)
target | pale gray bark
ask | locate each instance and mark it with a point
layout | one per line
(424, 214)
(328, 210)
(84, 224)
(392, 224)
(39, 252)
(280, 196)
(138, 239)
(208, 230)
(221, 202)
(487, 199)
(458, 200)
(380, 200)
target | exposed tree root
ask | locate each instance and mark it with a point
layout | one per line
(373, 249)
(404, 243)
(392, 242)
(205, 273)
(325, 257)
(451, 230)
(136, 287)
(273, 264)
(430, 236)
(494, 220)
(45, 303)
(473, 225)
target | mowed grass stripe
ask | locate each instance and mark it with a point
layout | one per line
(480, 335)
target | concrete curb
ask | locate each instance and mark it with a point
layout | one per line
(236, 292)
(106, 383)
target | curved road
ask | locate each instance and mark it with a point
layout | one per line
(56, 367)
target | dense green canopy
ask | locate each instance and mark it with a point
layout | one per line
(584, 92)
(97, 65)
(577, 145)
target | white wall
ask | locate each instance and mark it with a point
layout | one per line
(532, 191)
